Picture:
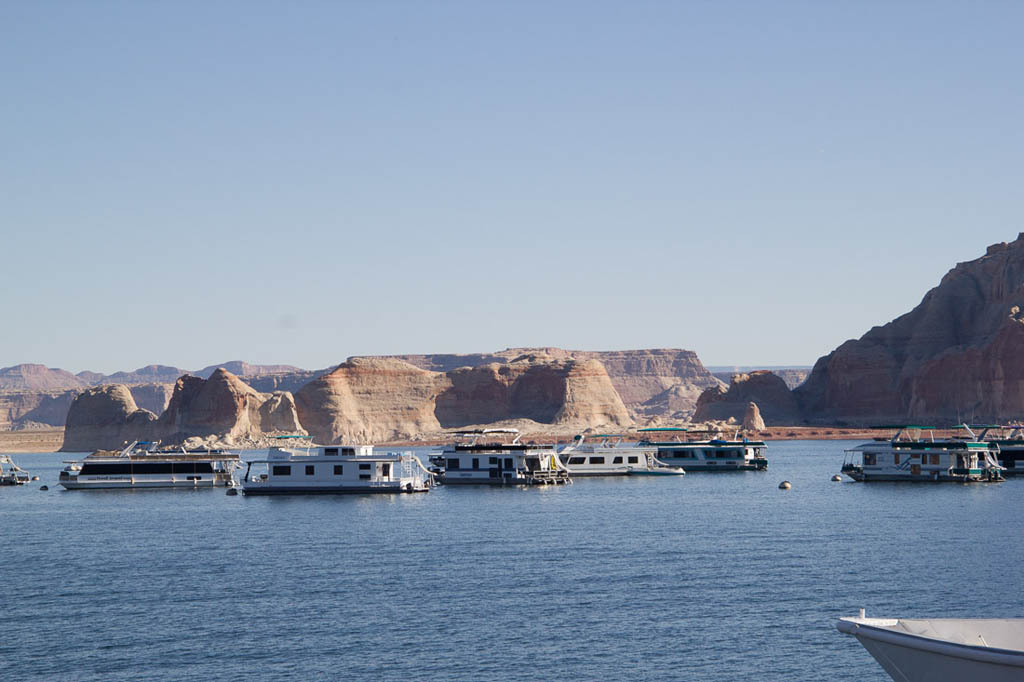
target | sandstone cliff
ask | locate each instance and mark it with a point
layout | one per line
(21, 409)
(956, 356)
(378, 399)
(651, 383)
(766, 389)
(225, 407)
(221, 410)
(367, 400)
(105, 418)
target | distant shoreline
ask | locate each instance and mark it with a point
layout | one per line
(50, 440)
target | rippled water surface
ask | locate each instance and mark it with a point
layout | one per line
(702, 577)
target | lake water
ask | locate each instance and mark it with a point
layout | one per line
(702, 577)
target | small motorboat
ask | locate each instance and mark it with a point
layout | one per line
(943, 649)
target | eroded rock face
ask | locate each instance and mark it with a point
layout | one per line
(221, 410)
(367, 400)
(766, 389)
(370, 400)
(662, 382)
(752, 420)
(105, 418)
(955, 356)
(226, 407)
(152, 397)
(21, 408)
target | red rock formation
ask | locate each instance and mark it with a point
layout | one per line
(19, 409)
(955, 356)
(221, 408)
(379, 399)
(225, 407)
(105, 418)
(765, 388)
(653, 382)
(37, 378)
(367, 400)
(752, 420)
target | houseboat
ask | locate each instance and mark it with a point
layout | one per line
(942, 649)
(11, 473)
(610, 455)
(914, 454)
(1006, 440)
(705, 450)
(141, 465)
(503, 460)
(335, 469)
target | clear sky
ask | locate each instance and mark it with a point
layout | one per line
(191, 182)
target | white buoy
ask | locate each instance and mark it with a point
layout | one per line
(785, 485)
(837, 477)
(35, 478)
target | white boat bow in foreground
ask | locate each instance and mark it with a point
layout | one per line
(943, 649)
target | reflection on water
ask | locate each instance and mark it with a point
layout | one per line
(702, 577)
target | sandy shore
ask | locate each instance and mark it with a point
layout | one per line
(48, 440)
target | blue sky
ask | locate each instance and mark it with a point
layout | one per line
(191, 182)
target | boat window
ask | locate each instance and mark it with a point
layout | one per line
(597, 460)
(330, 452)
(364, 477)
(617, 460)
(453, 463)
(114, 469)
(385, 469)
(282, 470)
(476, 463)
(339, 469)
(493, 460)
(310, 469)
(869, 459)
(934, 459)
(577, 460)
(364, 467)
(348, 452)
(508, 462)
(152, 468)
(634, 459)
(895, 458)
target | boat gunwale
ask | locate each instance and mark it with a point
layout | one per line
(983, 654)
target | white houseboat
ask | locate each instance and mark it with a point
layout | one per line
(909, 456)
(610, 455)
(943, 649)
(141, 465)
(335, 469)
(706, 450)
(11, 473)
(503, 461)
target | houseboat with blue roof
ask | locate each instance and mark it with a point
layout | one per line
(498, 457)
(705, 450)
(914, 454)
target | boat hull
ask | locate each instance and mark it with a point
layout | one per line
(912, 658)
(120, 485)
(337, 490)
